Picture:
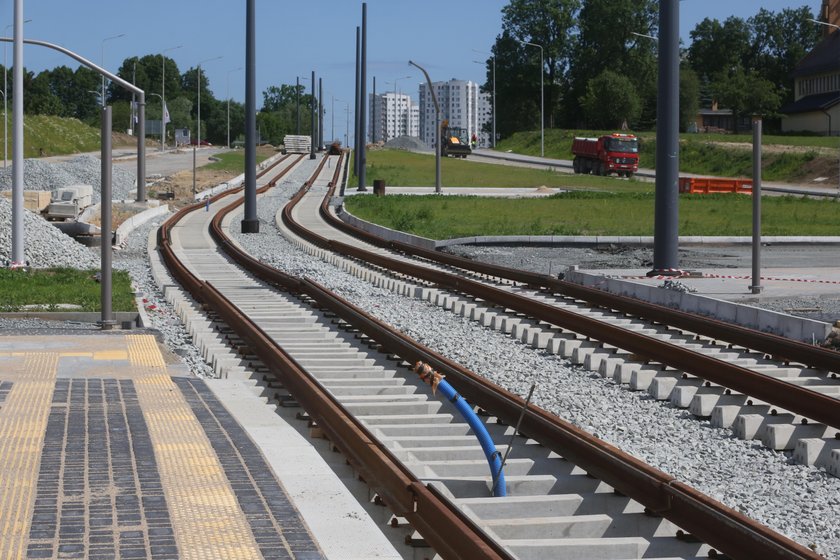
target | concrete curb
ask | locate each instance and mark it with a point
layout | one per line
(137, 220)
(236, 181)
(78, 316)
(782, 324)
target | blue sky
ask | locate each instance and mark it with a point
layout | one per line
(293, 38)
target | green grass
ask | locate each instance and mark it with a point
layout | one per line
(405, 169)
(592, 213)
(698, 152)
(232, 161)
(55, 136)
(54, 286)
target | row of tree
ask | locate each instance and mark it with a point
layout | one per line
(68, 93)
(600, 63)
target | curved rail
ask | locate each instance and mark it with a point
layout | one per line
(778, 346)
(712, 522)
(428, 511)
(797, 399)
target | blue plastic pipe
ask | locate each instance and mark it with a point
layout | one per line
(490, 452)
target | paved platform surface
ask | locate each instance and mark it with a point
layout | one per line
(106, 452)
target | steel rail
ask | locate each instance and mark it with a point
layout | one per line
(797, 399)
(771, 344)
(429, 512)
(707, 519)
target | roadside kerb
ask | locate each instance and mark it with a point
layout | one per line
(782, 324)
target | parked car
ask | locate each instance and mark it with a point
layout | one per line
(203, 142)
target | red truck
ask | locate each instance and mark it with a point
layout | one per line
(611, 153)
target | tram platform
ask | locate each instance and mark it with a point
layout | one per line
(109, 451)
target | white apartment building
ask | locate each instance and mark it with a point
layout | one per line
(393, 115)
(462, 104)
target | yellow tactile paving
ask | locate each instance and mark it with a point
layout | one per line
(111, 355)
(23, 421)
(206, 517)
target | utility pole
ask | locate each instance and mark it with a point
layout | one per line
(250, 221)
(363, 103)
(666, 211)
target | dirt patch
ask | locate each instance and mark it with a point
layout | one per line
(776, 148)
(181, 184)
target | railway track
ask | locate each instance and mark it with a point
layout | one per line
(568, 493)
(763, 387)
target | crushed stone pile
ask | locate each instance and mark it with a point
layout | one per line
(44, 246)
(39, 175)
(410, 143)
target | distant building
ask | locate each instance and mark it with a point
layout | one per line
(461, 103)
(393, 115)
(816, 104)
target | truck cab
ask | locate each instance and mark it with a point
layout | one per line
(612, 153)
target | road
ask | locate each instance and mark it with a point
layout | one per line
(565, 166)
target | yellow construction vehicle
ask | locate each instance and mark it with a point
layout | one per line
(454, 141)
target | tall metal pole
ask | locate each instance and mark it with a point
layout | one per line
(17, 141)
(332, 117)
(141, 146)
(297, 102)
(5, 101)
(438, 187)
(356, 106)
(666, 215)
(320, 114)
(250, 221)
(373, 120)
(363, 103)
(494, 102)
(163, 94)
(107, 319)
(756, 207)
(313, 133)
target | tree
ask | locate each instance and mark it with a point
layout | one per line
(610, 100)
(689, 96)
(517, 104)
(779, 42)
(746, 93)
(548, 23)
(606, 40)
(717, 47)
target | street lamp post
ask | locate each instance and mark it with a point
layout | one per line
(826, 24)
(542, 97)
(198, 122)
(5, 105)
(438, 188)
(162, 115)
(228, 103)
(493, 58)
(163, 94)
(102, 61)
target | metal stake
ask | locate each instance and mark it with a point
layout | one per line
(756, 207)
(107, 321)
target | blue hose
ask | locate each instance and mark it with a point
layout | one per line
(490, 451)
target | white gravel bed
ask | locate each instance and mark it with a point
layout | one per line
(40, 175)
(799, 501)
(44, 245)
(133, 256)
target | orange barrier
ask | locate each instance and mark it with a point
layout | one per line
(701, 185)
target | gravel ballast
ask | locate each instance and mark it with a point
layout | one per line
(83, 170)
(795, 500)
(801, 502)
(44, 246)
